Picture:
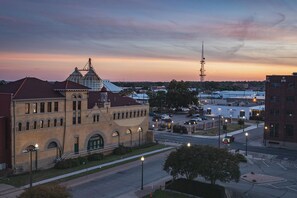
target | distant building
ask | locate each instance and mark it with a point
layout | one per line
(281, 111)
(66, 120)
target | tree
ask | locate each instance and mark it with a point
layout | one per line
(157, 99)
(211, 163)
(179, 95)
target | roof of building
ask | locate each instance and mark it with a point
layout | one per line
(31, 88)
(67, 84)
(111, 87)
(115, 99)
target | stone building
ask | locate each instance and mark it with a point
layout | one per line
(66, 120)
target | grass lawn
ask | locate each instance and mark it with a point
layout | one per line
(23, 179)
(214, 131)
(167, 194)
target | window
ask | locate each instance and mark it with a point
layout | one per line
(274, 112)
(95, 142)
(78, 118)
(123, 115)
(20, 126)
(42, 107)
(41, 123)
(289, 130)
(119, 116)
(27, 108)
(27, 125)
(290, 98)
(35, 125)
(94, 118)
(114, 116)
(291, 85)
(56, 106)
(76, 145)
(241, 113)
(79, 105)
(134, 114)
(127, 115)
(130, 114)
(34, 107)
(274, 130)
(74, 105)
(48, 123)
(97, 118)
(115, 134)
(141, 113)
(144, 112)
(274, 99)
(55, 122)
(138, 113)
(49, 107)
(275, 84)
(52, 145)
(61, 122)
(74, 118)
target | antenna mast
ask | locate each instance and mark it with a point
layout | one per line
(202, 62)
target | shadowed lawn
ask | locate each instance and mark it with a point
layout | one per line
(215, 131)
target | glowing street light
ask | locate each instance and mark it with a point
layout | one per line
(142, 160)
(246, 141)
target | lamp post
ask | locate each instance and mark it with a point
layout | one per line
(264, 136)
(246, 141)
(142, 160)
(219, 142)
(172, 122)
(139, 130)
(36, 162)
(29, 150)
(257, 119)
(225, 126)
(189, 145)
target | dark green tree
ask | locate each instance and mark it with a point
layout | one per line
(209, 162)
(179, 95)
(157, 99)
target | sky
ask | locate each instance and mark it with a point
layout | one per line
(148, 40)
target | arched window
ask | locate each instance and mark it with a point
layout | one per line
(95, 142)
(52, 145)
(20, 126)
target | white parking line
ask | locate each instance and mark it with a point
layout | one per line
(265, 163)
(281, 166)
(291, 188)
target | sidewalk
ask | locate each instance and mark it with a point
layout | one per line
(8, 191)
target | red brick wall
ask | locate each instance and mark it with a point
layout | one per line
(5, 132)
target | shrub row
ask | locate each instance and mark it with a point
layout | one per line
(69, 163)
(197, 188)
(180, 129)
(47, 190)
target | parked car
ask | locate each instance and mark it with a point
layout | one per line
(197, 119)
(191, 122)
(164, 116)
(228, 139)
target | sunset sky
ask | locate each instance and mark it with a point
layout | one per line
(148, 40)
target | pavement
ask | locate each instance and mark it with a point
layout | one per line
(7, 191)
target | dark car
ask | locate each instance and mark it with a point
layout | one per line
(228, 139)
(190, 122)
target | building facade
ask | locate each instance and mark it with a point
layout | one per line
(66, 120)
(281, 111)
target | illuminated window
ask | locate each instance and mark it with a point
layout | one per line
(34, 107)
(27, 108)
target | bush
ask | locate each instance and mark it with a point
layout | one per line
(82, 160)
(121, 150)
(179, 129)
(68, 163)
(46, 191)
(197, 188)
(240, 158)
(95, 157)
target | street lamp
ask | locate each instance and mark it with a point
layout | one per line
(36, 162)
(189, 145)
(246, 141)
(219, 131)
(265, 131)
(172, 126)
(142, 160)
(31, 149)
(257, 119)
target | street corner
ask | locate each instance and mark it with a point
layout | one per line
(260, 178)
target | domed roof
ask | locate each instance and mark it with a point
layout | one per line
(91, 75)
(75, 76)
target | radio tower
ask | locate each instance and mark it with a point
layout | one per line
(202, 70)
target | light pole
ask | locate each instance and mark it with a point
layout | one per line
(257, 119)
(264, 137)
(246, 141)
(219, 131)
(29, 150)
(139, 129)
(225, 127)
(172, 126)
(36, 162)
(142, 160)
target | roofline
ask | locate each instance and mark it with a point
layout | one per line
(30, 99)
